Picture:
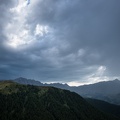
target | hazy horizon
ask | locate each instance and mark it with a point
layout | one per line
(71, 84)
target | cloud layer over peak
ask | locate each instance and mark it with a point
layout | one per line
(60, 40)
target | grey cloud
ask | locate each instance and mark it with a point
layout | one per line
(89, 25)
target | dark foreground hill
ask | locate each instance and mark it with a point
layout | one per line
(27, 102)
(105, 106)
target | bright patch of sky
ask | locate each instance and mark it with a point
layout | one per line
(18, 30)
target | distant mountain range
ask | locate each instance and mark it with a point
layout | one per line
(29, 102)
(108, 91)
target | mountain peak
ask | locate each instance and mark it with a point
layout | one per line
(22, 80)
(116, 80)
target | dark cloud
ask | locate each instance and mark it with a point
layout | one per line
(71, 40)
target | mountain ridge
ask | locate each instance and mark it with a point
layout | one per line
(108, 91)
(28, 102)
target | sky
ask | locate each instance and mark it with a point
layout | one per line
(67, 41)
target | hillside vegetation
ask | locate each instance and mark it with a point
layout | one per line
(105, 106)
(28, 102)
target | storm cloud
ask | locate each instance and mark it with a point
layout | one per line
(60, 40)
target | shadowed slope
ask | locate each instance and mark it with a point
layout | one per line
(26, 102)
